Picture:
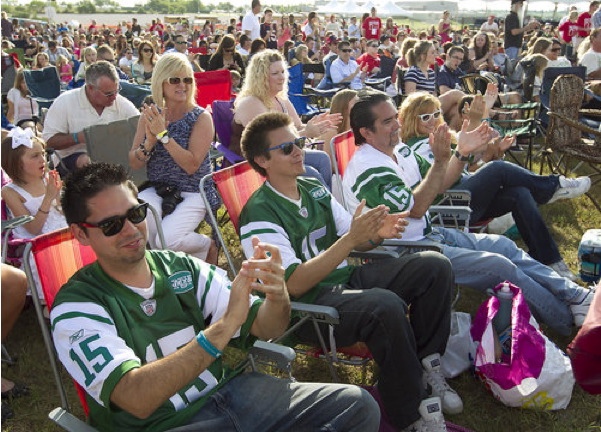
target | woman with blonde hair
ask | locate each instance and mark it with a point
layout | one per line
(419, 76)
(172, 141)
(41, 61)
(265, 89)
(540, 46)
(142, 70)
(88, 56)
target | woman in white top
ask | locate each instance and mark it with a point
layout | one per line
(20, 104)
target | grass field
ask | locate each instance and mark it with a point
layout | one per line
(567, 220)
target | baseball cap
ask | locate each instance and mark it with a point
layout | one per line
(384, 37)
(332, 39)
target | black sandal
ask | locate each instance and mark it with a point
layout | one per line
(18, 390)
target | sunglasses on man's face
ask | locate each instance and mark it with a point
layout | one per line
(427, 117)
(287, 147)
(177, 80)
(113, 225)
(346, 50)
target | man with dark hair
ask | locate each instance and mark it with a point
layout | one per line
(269, 30)
(97, 102)
(514, 30)
(384, 171)
(143, 331)
(345, 70)
(315, 235)
(449, 75)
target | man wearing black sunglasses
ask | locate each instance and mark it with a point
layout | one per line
(97, 102)
(346, 71)
(315, 235)
(143, 331)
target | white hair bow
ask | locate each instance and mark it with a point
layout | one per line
(21, 137)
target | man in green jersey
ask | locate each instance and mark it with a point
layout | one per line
(143, 331)
(399, 307)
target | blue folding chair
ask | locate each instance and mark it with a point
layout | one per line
(44, 85)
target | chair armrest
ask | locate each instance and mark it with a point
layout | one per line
(575, 124)
(16, 222)
(456, 197)
(68, 421)
(590, 112)
(282, 356)
(325, 314)
(414, 245)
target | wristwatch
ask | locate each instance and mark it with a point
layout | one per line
(460, 157)
(163, 137)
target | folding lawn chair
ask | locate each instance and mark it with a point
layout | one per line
(223, 115)
(44, 85)
(111, 142)
(212, 86)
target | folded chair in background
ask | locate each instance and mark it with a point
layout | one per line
(111, 142)
(44, 85)
(298, 96)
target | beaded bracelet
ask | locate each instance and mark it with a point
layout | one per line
(43, 211)
(206, 345)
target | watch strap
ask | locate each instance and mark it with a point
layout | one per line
(460, 157)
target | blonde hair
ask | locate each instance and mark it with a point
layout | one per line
(87, 50)
(408, 43)
(540, 45)
(256, 79)
(35, 60)
(416, 103)
(61, 60)
(169, 65)
(19, 79)
(540, 64)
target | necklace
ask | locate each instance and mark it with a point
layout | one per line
(280, 104)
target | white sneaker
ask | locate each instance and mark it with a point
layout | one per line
(436, 385)
(431, 419)
(571, 188)
(562, 269)
(579, 310)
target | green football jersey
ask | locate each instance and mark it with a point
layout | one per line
(103, 329)
(302, 230)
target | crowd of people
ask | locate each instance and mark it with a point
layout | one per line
(421, 136)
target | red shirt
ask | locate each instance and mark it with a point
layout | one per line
(372, 27)
(371, 62)
(584, 22)
(567, 30)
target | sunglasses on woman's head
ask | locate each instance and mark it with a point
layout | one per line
(177, 80)
(287, 147)
(113, 225)
(427, 117)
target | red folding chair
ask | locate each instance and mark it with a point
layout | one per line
(58, 255)
(212, 86)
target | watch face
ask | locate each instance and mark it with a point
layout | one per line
(165, 139)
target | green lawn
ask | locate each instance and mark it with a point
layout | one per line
(567, 219)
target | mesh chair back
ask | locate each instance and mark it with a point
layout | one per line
(43, 84)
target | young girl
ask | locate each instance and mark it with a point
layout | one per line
(89, 57)
(33, 190)
(65, 70)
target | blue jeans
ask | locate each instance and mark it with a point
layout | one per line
(482, 261)
(262, 403)
(501, 187)
(512, 52)
(319, 166)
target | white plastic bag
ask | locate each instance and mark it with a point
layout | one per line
(461, 350)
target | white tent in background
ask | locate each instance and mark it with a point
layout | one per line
(331, 7)
(368, 5)
(350, 8)
(390, 9)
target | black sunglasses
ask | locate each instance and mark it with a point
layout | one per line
(113, 225)
(146, 50)
(287, 147)
(348, 50)
(177, 80)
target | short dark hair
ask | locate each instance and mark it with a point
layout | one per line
(343, 43)
(362, 115)
(455, 49)
(254, 138)
(255, 3)
(87, 182)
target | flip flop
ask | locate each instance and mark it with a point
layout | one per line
(17, 391)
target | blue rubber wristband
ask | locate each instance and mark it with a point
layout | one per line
(375, 244)
(206, 345)
(75, 138)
